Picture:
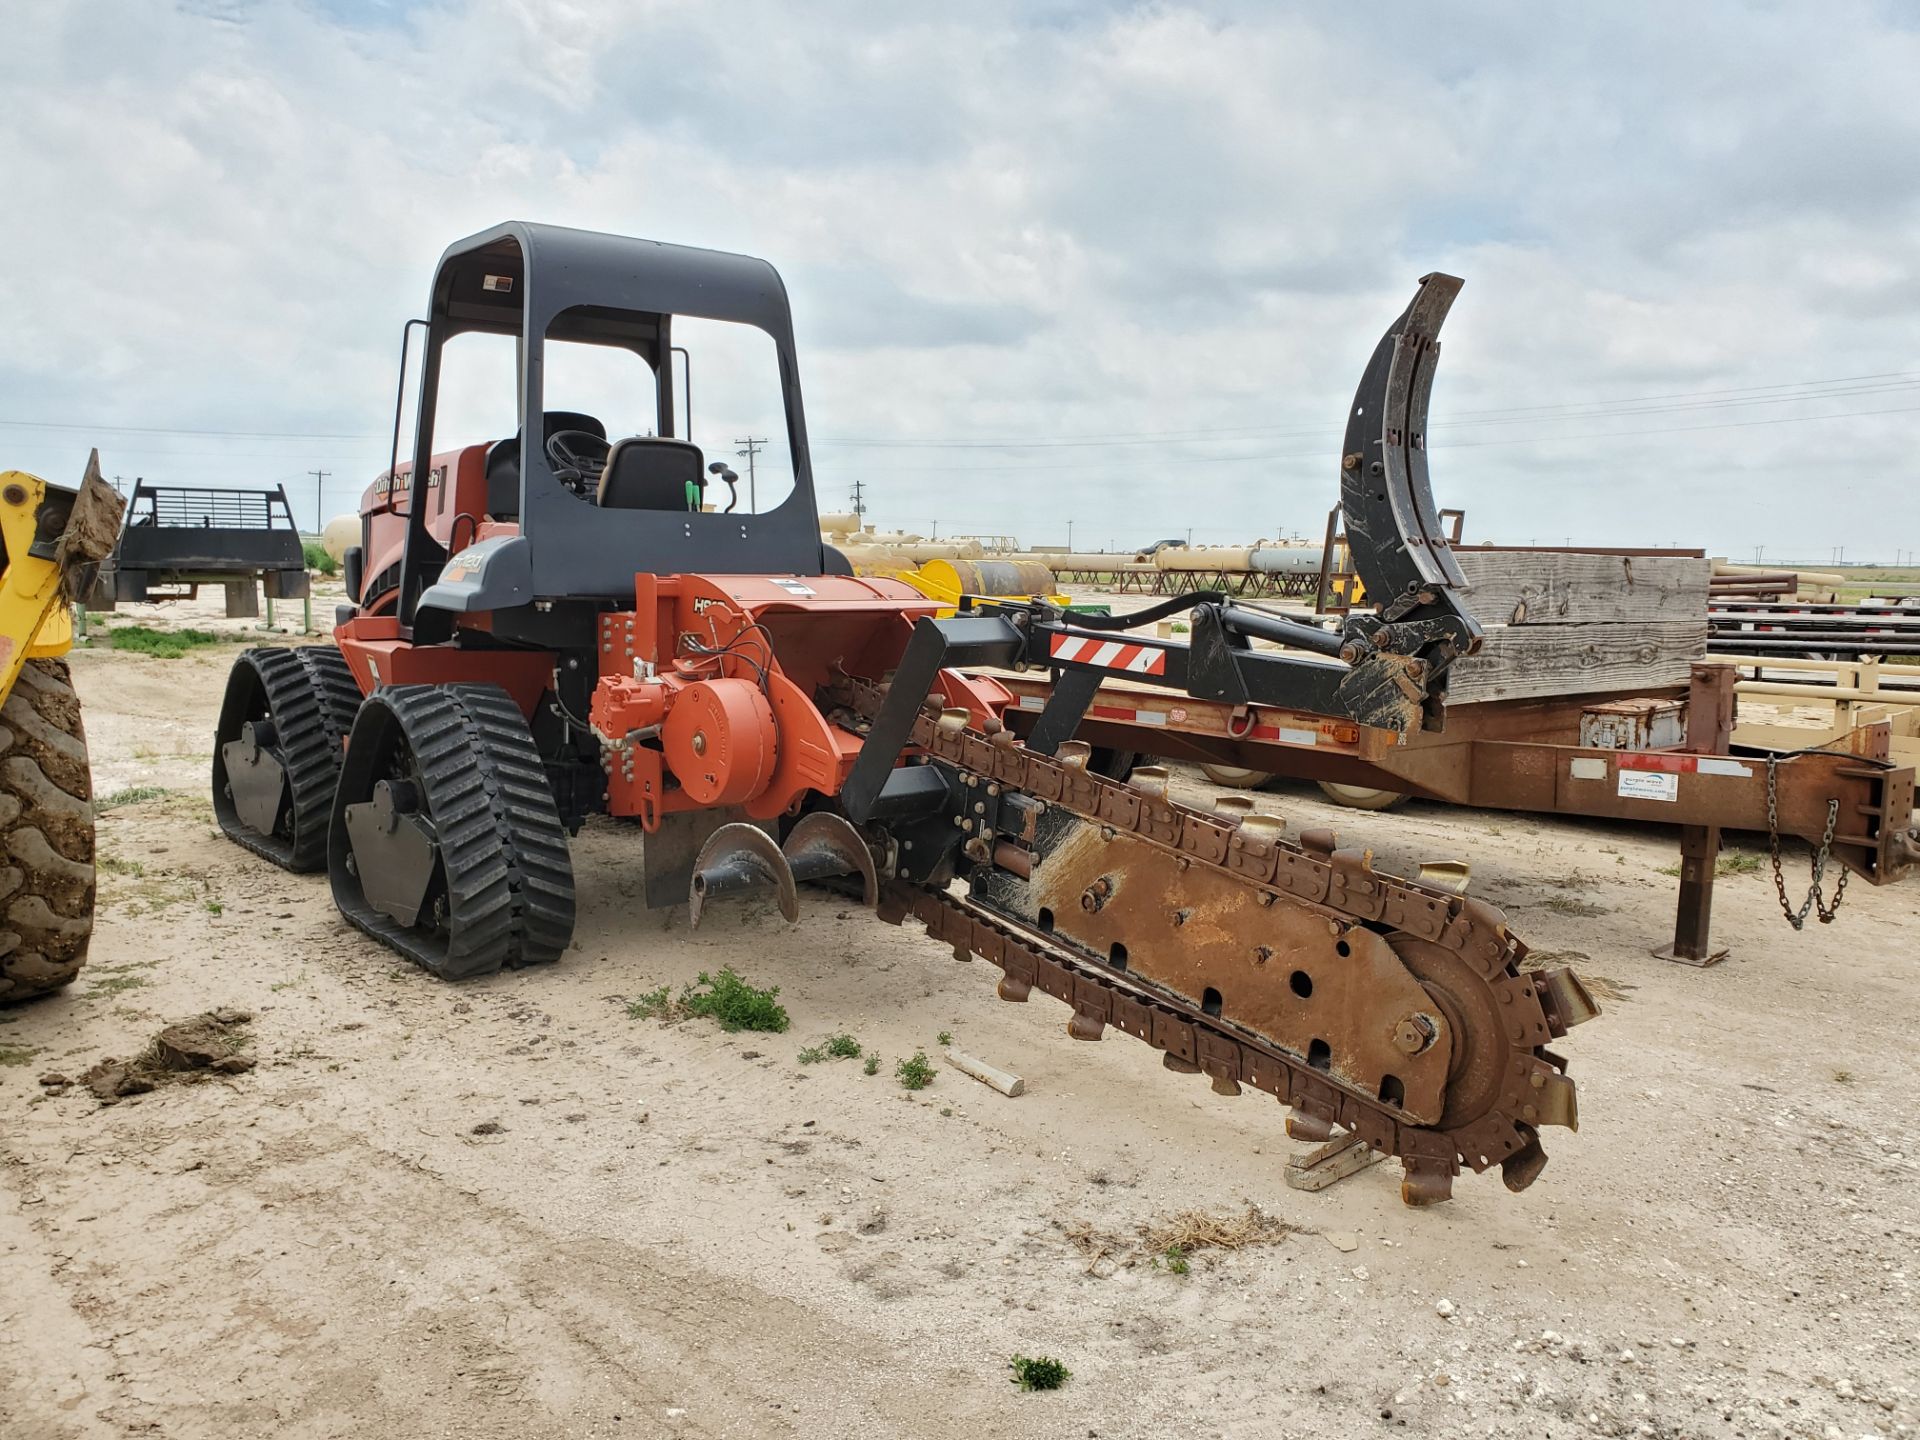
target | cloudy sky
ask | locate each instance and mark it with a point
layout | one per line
(1115, 265)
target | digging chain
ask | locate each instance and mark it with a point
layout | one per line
(1534, 1007)
(1815, 898)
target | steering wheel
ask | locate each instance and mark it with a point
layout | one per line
(578, 457)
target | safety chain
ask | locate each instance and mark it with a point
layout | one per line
(1815, 899)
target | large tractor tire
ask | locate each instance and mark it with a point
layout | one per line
(46, 830)
(445, 843)
(277, 748)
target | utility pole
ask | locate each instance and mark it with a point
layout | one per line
(753, 447)
(319, 491)
(859, 501)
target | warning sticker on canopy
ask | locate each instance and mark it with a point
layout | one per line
(1648, 785)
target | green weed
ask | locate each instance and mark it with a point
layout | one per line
(1174, 1259)
(843, 1047)
(915, 1074)
(653, 1005)
(1038, 1372)
(945, 1037)
(161, 644)
(734, 1003)
(872, 1067)
(813, 1055)
(132, 795)
(115, 984)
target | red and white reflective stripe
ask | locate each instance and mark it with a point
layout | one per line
(1680, 764)
(1109, 654)
(1103, 712)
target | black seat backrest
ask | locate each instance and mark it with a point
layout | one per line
(503, 461)
(650, 472)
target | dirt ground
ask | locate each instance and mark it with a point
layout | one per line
(510, 1209)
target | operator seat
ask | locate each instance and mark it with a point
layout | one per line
(651, 472)
(503, 461)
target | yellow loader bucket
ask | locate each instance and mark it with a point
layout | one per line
(51, 535)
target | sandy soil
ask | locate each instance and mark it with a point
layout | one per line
(509, 1209)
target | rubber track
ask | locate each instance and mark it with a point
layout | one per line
(311, 698)
(46, 835)
(509, 873)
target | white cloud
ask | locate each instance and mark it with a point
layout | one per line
(1010, 222)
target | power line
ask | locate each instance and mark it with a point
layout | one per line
(1759, 395)
(1175, 463)
(183, 430)
(1514, 418)
(1764, 393)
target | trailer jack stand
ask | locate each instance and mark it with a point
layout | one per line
(1692, 938)
(1709, 732)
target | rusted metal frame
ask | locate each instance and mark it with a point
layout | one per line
(1875, 801)
(1709, 732)
(1478, 761)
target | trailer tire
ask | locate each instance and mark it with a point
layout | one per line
(1362, 797)
(46, 832)
(1236, 778)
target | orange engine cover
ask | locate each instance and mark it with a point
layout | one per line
(720, 741)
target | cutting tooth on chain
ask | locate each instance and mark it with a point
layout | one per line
(1258, 825)
(1523, 1167)
(1301, 1125)
(1150, 780)
(1449, 875)
(1429, 1181)
(1565, 999)
(1552, 1100)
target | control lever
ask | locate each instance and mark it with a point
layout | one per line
(719, 467)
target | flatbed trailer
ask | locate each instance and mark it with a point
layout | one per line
(1611, 757)
(177, 538)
